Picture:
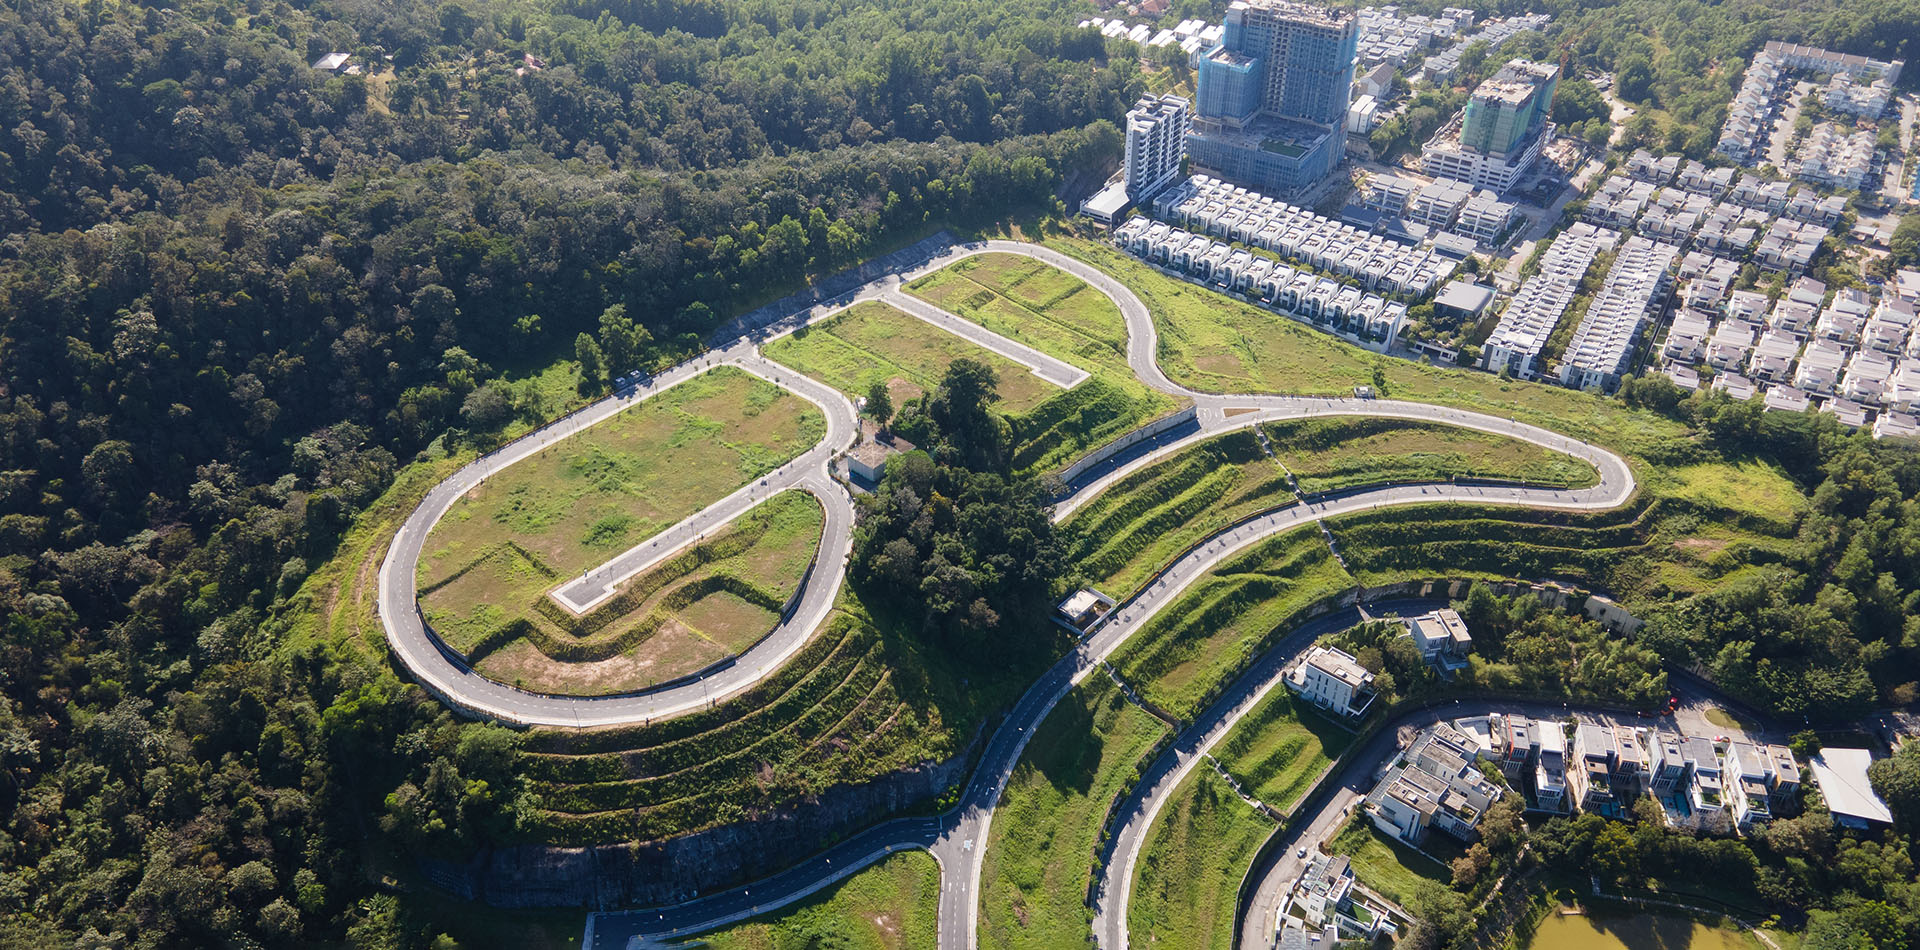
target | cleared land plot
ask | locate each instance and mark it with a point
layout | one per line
(875, 343)
(1344, 453)
(713, 601)
(1190, 869)
(1227, 618)
(572, 507)
(1280, 748)
(1040, 856)
(1386, 865)
(894, 905)
(1059, 315)
(1140, 524)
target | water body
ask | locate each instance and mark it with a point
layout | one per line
(1633, 932)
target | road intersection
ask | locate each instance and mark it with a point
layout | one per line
(958, 838)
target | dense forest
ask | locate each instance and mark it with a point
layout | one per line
(238, 293)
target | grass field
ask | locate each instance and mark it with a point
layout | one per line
(1227, 617)
(1215, 343)
(1352, 452)
(694, 610)
(894, 905)
(1058, 314)
(619, 482)
(1133, 529)
(1280, 748)
(488, 564)
(1387, 866)
(1040, 856)
(875, 343)
(1190, 867)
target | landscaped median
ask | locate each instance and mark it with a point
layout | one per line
(489, 562)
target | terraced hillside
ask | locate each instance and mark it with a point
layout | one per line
(834, 714)
(1058, 314)
(1227, 618)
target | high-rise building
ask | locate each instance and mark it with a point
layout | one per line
(1156, 143)
(1497, 138)
(1273, 95)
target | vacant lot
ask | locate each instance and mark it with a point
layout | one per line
(1058, 314)
(1352, 452)
(1039, 860)
(624, 480)
(1190, 869)
(1133, 529)
(894, 905)
(875, 343)
(1228, 617)
(711, 602)
(1279, 750)
(1386, 865)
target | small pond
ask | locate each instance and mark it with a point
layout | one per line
(1633, 932)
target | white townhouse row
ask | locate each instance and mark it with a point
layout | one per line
(1520, 338)
(1210, 206)
(1602, 350)
(1365, 318)
(1835, 158)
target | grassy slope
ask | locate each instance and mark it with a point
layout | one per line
(1339, 454)
(875, 343)
(1387, 866)
(1140, 524)
(1057, 314)
(1191, 865)
(1040, 855)
(1223, 620)
(1279, 749)
(894, 905)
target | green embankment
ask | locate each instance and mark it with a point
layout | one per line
(894, 905)
(1188, 882)
(1046, 833)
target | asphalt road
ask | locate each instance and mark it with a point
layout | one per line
(447, 676)
(1113, 890)
(958, 838)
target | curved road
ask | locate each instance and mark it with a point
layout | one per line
(958, 838)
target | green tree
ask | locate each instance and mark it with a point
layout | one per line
(593, 363)
(880, 403)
